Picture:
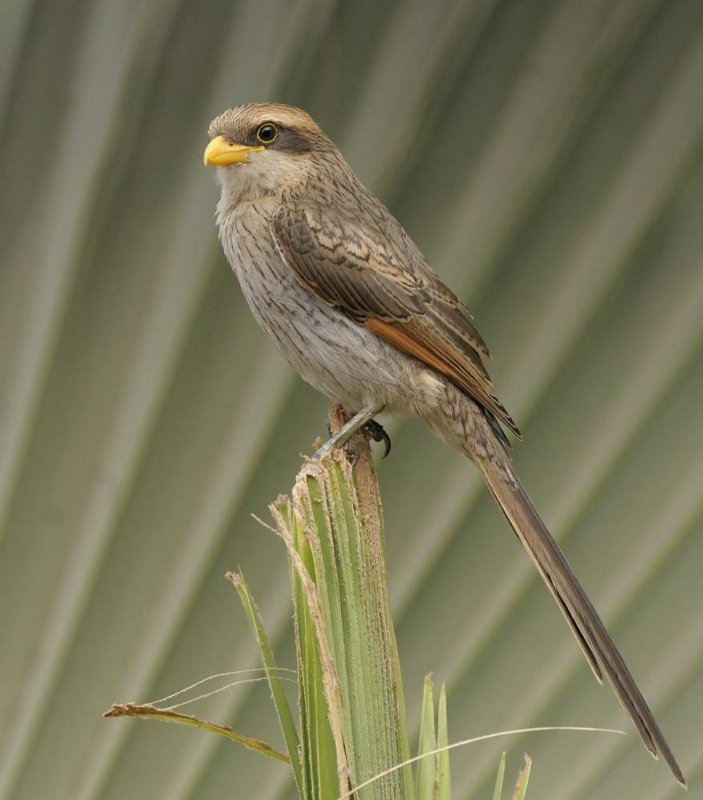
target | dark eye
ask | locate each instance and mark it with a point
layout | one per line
(267, 133)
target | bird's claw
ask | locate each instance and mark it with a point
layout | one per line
(378, 433)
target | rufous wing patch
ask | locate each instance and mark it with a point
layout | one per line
(399, 337)
(481, 391)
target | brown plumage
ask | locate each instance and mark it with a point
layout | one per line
(389, 290)
(353, 305)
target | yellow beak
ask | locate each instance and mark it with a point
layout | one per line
(221, 151)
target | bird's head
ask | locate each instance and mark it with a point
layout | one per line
(263, 149)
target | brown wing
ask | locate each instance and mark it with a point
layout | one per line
(378, 278)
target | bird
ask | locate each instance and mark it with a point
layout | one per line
(355, 308)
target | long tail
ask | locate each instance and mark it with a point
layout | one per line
(599, 649)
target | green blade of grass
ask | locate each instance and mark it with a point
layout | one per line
(285, 715)
(500, 777)
(444, 784)
(426, 767)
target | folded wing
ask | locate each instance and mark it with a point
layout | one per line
(378, 278)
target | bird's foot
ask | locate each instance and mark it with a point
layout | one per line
(375, 431)
(364, 419)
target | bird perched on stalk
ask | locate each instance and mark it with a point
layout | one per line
(355, 308)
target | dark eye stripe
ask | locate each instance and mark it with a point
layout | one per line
(292, 141)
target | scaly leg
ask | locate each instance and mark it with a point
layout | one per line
(344, 434)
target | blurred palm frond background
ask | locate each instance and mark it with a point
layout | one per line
(548, 158)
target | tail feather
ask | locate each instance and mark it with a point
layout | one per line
(599, 649)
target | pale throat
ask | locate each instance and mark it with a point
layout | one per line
(267, 174)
